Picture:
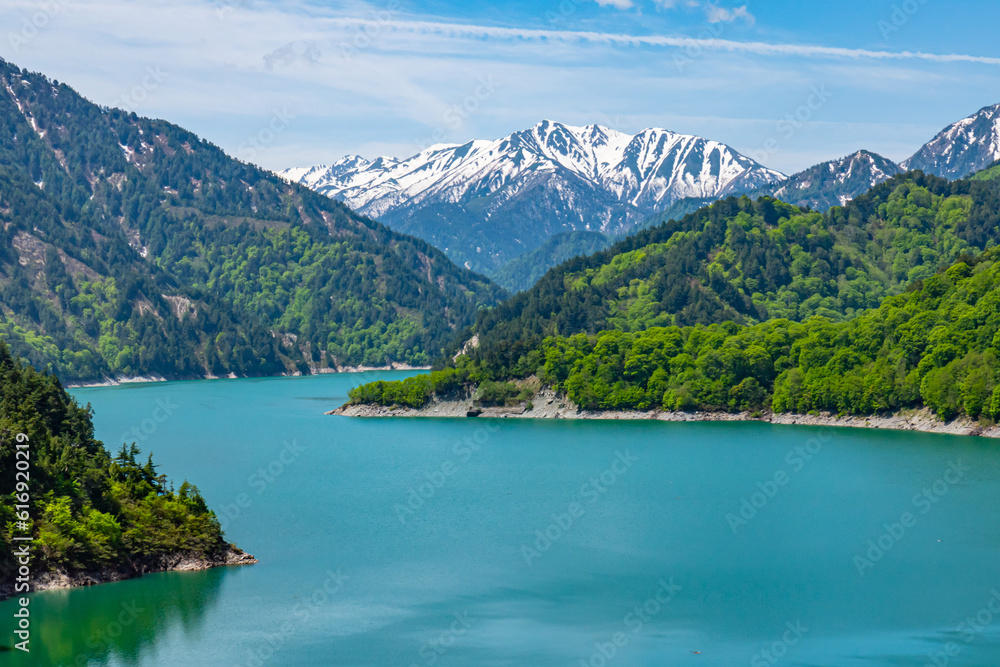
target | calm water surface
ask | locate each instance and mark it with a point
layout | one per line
(507, 542)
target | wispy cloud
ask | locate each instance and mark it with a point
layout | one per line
(618, 4)
(229, 72)
(713, 13)
(291, 53)
(753, 47)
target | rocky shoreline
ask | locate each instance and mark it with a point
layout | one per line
(138, 379)
(547, 405)
(173, 563)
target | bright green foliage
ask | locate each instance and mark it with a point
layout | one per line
(937, 345)
(88, 510)
(130, 246)
(496, 393)
(752, 261)
(413, 392)
(991, 173)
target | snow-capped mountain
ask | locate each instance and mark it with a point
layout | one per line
(962, 148)
(309, 175)
(836, 182)
(485, 202)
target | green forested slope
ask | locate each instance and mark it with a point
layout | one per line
(524, 270)
(992, 172)
(130, 246)
(88, 510)
(936, 345)
(750, 261)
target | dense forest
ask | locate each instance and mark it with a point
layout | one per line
(88, 509)
(749, 261)
(524, 270)
(936, 345)
(129, 246)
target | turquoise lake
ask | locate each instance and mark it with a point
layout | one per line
(472, 542)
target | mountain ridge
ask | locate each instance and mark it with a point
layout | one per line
(962, 148)
(490, 204)
(835, 182)
(589, 178)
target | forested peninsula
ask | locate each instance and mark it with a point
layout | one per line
(92, 516)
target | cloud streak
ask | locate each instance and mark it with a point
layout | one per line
(620, 39)
(228, 73)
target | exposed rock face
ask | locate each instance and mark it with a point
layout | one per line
(486, 202)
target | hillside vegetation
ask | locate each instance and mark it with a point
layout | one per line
(524, 271)
(88, 510)
(937, 345)
(747, 261)
(890, 302)
(130, 246)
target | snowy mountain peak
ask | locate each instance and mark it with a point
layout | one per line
(310, 175)
(552, 175)
(962, 148)
(836, 182)
(652, 168)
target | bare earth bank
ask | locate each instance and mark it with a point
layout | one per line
(547, 405)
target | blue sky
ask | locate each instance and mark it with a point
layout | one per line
(298, 83)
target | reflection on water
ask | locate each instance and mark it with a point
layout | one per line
(117, 623)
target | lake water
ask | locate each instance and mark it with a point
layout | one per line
(512, 542)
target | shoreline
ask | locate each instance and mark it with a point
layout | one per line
(141, 379)
(57, 580)
(547, 405)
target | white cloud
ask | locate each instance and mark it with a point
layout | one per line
(718, 14)
(620, 39)
(713, 12)
(227, 74)
(619, 4)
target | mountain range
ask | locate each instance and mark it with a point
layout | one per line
(486, 203)
(131, 246)
(742, 260)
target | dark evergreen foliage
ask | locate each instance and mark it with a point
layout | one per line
(129, 246)
(87, 509)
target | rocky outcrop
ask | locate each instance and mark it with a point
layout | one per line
(170, 563)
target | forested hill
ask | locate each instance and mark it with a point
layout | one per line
(130, 246)
(87, 511)
(749, 261)
(937, 345)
